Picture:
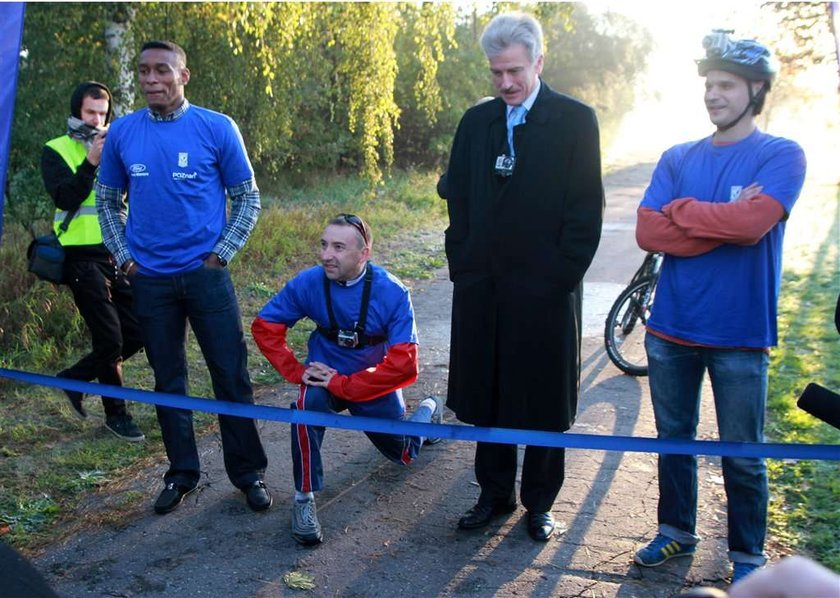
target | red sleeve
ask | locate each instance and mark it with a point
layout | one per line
(656, 232)
(397, 369)
(742, 222)
(271, 339)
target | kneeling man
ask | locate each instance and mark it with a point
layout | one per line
(363, 351)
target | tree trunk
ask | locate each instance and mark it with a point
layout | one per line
(119, 38)
(833, 19)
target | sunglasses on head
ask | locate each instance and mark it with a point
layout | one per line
(356, 223)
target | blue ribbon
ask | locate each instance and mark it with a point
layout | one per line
(448, 431)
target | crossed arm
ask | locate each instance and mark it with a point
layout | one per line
(687, 226)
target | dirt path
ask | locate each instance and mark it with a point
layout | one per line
(390, 531)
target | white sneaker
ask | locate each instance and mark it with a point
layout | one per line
(437, 417)
(305, 527)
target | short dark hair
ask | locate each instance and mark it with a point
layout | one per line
(97, 93)
(166, 45)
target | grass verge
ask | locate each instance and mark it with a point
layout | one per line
(52, 463)
(804, 513)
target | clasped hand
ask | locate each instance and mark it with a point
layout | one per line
(318, 374)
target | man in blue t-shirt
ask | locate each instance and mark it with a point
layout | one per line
(717, 209)
(362, 352)
(177, 162)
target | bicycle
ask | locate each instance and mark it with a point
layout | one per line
(624, 330)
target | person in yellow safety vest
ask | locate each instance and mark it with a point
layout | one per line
(100, 290)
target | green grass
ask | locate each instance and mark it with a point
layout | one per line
(804, 511)
(51, 461)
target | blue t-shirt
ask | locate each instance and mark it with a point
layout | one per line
(176, 173)
(728, 296)
(390, 315)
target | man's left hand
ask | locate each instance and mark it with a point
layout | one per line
(750, 192)
(318, 374)
(214, 261)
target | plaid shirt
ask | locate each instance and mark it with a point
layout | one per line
(245, 207)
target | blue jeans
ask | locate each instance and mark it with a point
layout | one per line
(739, 385)
(306, 440)
(205, 297)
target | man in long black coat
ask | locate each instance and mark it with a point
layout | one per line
(525, 222)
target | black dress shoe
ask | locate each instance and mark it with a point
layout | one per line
(257, 496)
(540, 526)
(171, 497)
(481, 514)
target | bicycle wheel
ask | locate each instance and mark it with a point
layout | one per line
(624, 330)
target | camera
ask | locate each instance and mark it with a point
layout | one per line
(717, 43)
(347, 338)
(504, 165)
(79, 129)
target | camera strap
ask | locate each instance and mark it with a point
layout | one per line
(65, 224)
(62, 228)
(332, 332)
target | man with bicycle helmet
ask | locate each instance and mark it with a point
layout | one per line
(746, 59)
(717, 208)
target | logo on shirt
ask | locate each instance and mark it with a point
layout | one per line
(735, 192)
(180, 176)
(183, 159)
(138, 170)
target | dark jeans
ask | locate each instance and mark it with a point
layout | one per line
(739, 386)
(205, 297)
(104, 299)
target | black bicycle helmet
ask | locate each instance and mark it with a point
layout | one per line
(744, 57)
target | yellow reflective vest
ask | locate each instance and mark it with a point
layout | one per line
(84, 227)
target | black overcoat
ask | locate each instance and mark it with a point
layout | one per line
(518, 248)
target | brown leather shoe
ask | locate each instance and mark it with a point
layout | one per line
(540, 526)
(481, 514)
